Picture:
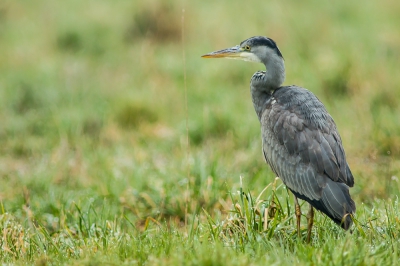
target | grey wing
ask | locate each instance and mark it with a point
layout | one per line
(298, 176)
(301, 143)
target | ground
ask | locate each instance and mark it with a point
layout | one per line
(120, 145)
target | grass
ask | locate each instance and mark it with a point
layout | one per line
(93, 153)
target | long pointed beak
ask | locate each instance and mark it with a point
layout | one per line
(232, 52)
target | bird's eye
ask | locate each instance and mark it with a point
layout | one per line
(247, 48)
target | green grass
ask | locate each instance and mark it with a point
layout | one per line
(94, 163)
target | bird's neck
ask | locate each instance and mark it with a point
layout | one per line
(263, 84)
(275, 74)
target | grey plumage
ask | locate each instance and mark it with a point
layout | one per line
(300, 140)
(303, 147)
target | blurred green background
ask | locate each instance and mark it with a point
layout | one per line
(92, 101)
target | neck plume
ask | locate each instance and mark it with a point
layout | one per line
(263, 84)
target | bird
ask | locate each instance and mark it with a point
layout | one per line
(300, 140)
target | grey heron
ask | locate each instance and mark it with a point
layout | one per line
(300, 140)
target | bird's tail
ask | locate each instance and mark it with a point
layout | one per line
(338, 204)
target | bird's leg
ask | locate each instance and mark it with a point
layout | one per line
(310, 222)
(298, 215)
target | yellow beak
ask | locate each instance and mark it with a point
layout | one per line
(232, 52)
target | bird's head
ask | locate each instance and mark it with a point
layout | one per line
(255, 49)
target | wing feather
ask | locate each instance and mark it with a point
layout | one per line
(301, 143)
